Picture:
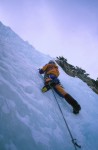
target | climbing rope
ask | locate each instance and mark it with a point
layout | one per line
(73, 140)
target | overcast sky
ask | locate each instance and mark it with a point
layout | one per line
(66, 28)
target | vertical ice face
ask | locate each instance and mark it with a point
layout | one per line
(31, 120)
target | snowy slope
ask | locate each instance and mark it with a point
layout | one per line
(31, 120)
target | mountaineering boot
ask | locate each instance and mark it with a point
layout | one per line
(76, 109)
(45, 88)
(73, 103)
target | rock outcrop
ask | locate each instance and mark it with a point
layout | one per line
(77, 72)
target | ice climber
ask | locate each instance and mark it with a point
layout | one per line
(51, 80)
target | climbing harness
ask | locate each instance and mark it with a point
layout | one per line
(73, 140)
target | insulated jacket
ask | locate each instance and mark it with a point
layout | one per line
(51, 69)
